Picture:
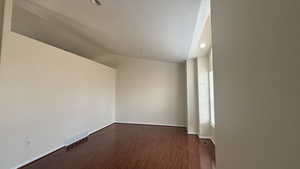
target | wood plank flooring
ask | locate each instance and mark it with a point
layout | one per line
(126, 146)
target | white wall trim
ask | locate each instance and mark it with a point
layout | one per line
(93, 132)
(206, 137)
(55, 149)
(96, 130)
(38, 157)
(213, 141)
(155, 124)
(192, 132)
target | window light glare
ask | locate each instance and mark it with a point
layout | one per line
(203, 45)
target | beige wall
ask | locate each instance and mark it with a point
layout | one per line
(57, 31)
(198, 97)
(257, 65)
(192, 96)
(211, 97)
(205, 128)
(47, 96)
(151, 92)
(1, 22)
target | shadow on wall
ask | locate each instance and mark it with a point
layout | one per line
(30, 18)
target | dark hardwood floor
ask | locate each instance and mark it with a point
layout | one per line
(126, 146)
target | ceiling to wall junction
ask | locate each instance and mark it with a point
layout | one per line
(156, 29)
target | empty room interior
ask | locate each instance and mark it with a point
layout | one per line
(149, 84)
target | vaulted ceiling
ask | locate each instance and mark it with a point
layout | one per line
(152, 29)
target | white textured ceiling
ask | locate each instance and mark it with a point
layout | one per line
(154, 29)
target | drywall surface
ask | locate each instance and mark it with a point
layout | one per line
(165, 35)
(151, 92)
(1, 22)
(29, 19)
(205, 128)
(47, 96)
(192, 96)
(212, 97)
(257, 84)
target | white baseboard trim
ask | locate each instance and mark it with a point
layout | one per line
(155, 124)
(38, 157)
(206, 137)
(213, 140)
(55, 149)
(192, 133)
(96, 130)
